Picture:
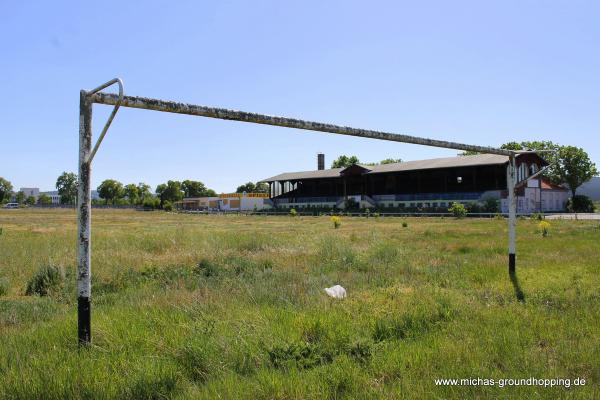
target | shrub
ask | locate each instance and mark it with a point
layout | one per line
(458, 210)
(491, 205)
(207, 268)
(404, 224)
(3, 287)
(376, 215)
(537, 216)
(473, 208)
(300, 355)
(361, 351)
(337, 221)
(544, 228)
(168, 206)
(47, 280)
(151, 203)
(580, 203)
(293, 212)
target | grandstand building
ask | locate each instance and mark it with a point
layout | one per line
(423, 184)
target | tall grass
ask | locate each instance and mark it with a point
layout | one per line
(233, 307)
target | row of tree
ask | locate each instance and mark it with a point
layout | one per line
(344, 161)
(258, 187)
(114, 192)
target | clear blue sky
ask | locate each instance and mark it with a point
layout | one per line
(475, 72)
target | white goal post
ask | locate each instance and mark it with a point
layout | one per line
(87, 153)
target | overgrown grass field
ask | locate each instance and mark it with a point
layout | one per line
(197, 306)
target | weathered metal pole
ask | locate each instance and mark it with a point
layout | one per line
(511, 179)
(243, 116)
(84, 208)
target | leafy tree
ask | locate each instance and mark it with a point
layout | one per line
(491, 205)
(580, 203)
(67, 187)
(391, 161)
(261, 187)
(20, 197)
(131, 191)
(143, 191)
(247, 187)
(5, 189)
(574, 167)
(512, 146)
(170, 191)
(30, 200)
(193, 188)
(344, 161)
(151, 202)
(44, 199)
(160, 189)
(468, 153)
(110, 190)
(458, 210)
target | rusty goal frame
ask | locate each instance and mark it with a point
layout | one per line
(87, 153)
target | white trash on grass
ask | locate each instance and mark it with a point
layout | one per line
(337, 292)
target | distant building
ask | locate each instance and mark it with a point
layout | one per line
(538, 195)
(423, 184)
(54, 196)
(35, 192)
(591, 188)
(227, 202)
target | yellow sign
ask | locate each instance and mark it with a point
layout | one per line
(229, 195)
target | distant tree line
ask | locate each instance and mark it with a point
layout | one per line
(113, 192)
(345, 161)
(249, 187)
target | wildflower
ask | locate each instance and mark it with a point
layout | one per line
(337, 221)
(544, 227)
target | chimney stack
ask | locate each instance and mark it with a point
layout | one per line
(320, 161)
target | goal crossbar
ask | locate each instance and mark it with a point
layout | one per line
(87, 152)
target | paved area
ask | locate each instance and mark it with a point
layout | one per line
(574, 216)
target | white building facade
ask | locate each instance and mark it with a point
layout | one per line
(538, 195)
